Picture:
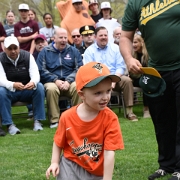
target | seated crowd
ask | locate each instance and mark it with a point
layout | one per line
(39, 62)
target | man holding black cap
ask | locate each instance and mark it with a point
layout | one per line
(19, 82)
(88, 37)
(26, 30)
(159, 23)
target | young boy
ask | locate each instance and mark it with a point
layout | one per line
(89, 133)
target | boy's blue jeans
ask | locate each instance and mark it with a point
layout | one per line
(35, 96)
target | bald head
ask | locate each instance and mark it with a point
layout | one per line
(60, 30)
(60, 38)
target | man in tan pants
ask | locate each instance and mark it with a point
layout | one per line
(58, 64)
(108, 53)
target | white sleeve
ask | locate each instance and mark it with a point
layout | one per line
(4, 81)
(33, 71)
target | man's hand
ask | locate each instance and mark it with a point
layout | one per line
(18, 86)
(29, 85)
(65, 86)
(133, 66)
(59, 83)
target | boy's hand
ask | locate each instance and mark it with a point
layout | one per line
(54, 168)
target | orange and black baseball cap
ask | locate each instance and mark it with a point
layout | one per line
(93, 73)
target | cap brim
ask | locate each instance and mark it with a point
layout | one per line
(150, 71)
(94, 82)
(92, 3)
(6, 46)
(162, 88)
(39, 38)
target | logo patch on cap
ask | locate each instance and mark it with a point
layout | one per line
(145, 79)
(98, 67)
(87, 28)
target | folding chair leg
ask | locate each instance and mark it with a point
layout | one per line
(123, 105)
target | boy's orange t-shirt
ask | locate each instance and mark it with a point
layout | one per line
(84, 142)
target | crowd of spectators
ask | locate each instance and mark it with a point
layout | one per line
(58, 54)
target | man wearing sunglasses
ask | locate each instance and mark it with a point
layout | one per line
(76, 38)
(26, 30)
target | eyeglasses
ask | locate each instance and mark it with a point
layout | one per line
(74, 36)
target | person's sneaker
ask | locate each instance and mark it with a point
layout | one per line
(132, 117)
(159, 173)
(146, 114)
(53, 125)
(30, 113)
(175, 176)
(37, 126)
(13, 130)
(2, 133)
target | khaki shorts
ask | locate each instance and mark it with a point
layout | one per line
(69, 170)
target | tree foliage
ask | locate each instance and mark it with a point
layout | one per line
(43, 6)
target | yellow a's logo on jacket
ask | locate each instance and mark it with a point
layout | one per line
(156, 8)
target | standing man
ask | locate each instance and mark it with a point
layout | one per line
(107, 21)
(19, 82)
(108, 53)
(58, 63)
(26, 30)
(2, 37)
(159, 23)
(94, 8)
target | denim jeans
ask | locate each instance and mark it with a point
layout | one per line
(35, 96)
(29, 107)
(165, 113)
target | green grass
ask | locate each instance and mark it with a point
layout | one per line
(27, 156)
